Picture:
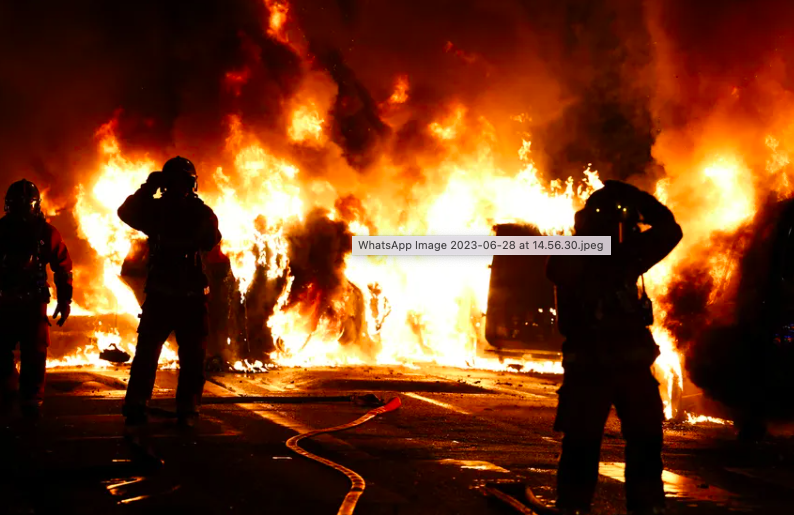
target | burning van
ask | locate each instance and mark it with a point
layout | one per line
(521, 314)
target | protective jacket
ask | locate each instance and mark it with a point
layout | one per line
(598, 300)
(26, 248)
(179, 229)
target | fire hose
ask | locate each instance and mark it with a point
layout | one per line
(357, 482)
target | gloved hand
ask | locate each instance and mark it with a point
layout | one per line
(64, 310)
(154, 182)
(651, 210)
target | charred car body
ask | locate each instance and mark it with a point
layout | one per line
(521, 315)
(744, 360)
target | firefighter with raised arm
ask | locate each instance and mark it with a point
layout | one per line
(27, 245)
(179, 226)
(609, 350)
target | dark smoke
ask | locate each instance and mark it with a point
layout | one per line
(65, 69)
(732, 355)
(696, 297)
(317, 251)
(357, 127)
(351, 209)
(604, 53)
(570, 66)
(723, 82)
(716, 46)
(689, 296)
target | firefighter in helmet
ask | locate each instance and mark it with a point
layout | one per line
(609, 350)
(27, 245)
(180, 227)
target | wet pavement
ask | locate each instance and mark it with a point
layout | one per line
(456, 430)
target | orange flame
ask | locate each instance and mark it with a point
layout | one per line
(449, 128)
(278, 18)
(406, 310)
(101, 341)
(307, 124)
(400, 94)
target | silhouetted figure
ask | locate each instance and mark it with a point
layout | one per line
(221, 345)
(179, 226)
(27, 245)
(609, 349)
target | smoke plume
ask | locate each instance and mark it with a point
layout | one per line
(722, 95)
(317, 258)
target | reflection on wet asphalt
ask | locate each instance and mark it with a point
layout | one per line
(425, 459)
(680, 487)
(475, 465)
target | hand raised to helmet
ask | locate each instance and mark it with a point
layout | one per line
(154, 182)
(649, 207)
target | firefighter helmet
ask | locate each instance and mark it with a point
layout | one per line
(23, 198)
(606, 209)
(179, 174)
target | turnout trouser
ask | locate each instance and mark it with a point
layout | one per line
(24, 323)
(585, 399)
(161, 315)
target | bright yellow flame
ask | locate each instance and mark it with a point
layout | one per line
(88, 356)
(701, 419)
(253, 208)
(415, 310)
(730, 188)
(420, 309)
(450, 128)
(99, 224)
(669, 365)
(408, 310)
(307, 124)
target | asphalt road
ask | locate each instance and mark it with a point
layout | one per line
(455, 430)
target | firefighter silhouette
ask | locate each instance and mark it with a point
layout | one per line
(609, 350)
(179, 227)
(27, 245)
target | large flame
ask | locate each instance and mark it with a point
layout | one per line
(95, 212)
(418, 309)
(88, 356)
(98, 223)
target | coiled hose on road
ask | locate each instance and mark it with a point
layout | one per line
(356, 481)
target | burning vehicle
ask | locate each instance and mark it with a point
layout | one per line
(300, 142)
(310, 123)
(521, 305)
(750, 333)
